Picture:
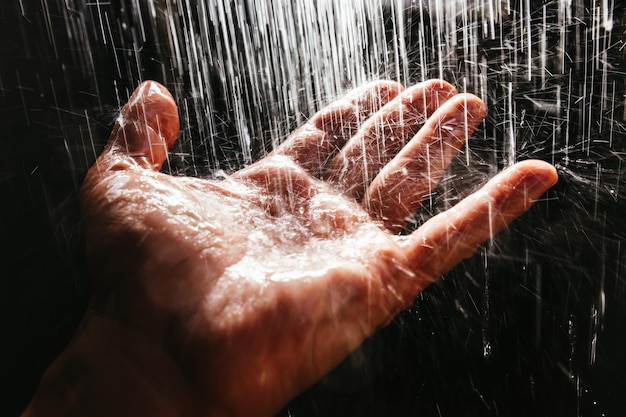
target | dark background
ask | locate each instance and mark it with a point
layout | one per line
(532, 325)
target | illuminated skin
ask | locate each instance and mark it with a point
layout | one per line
(230, 297)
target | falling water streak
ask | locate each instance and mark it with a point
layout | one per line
(492, 19)
(601, 289)
(572, 335)
(599, 306)
(584, 97)
(138, 11)
(562, 24)
(538, 304)
(602, 61)
(100, 20)
(554, 140)
(568, 126)
(450, 30)
(398, 26)
(112, 40)
(618, 179)
(91, 140)
(430, 190)
(510, 143)
(593, 340)
(421, 43)
(439, 43)
(465, 28)
(612, 117)
(465, 121)
(578, 395)
(486, 304)
(543, 52)
(596, 191)
(48, 23)
(529, 40)
(173, 37)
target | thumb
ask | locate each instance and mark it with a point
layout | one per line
(146, 127)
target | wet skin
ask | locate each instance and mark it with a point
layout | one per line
(230, 297)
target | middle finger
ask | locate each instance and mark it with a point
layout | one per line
(383, 135)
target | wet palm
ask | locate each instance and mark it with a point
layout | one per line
(257, 285)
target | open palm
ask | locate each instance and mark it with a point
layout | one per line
(257, 285)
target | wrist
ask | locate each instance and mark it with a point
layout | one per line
(111, 370)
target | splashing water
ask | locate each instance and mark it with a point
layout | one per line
(530, 325)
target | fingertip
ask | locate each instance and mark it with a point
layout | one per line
(463, 112)
(369, 98)
(425, 98)
(441, 87)
(537, 174)
(388, 89)
(153, 99)
(474, 105)
(378, 87)
(147, 125)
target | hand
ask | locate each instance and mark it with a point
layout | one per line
(233, 296)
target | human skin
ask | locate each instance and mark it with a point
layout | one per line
(230, 297)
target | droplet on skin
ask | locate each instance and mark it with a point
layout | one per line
(115, 187)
